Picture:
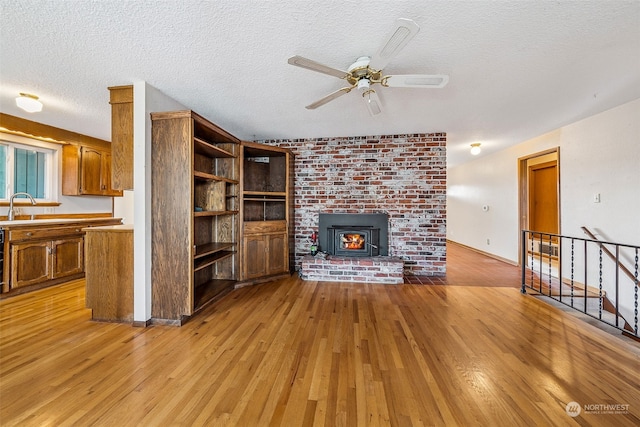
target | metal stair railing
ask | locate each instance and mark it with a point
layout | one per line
(544, 258)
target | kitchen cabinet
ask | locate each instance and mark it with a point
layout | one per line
(41, 253)
(86, 170)
(35, 262)
(194, 214)
(267, 212)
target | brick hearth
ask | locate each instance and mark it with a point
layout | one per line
(380, 269)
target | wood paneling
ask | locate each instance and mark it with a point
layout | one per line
(121, 100)
(171, 201)
(296, 353)
(109, 272)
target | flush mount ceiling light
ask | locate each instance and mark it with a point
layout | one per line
(475, 148)
(29, 103)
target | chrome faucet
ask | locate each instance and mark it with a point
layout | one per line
(11, 214)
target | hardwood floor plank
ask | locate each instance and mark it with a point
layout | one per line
(457, 351)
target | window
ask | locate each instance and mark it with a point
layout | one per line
(26, 168)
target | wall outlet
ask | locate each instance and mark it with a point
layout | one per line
(596, 198)
(49, 210)
(488, 242)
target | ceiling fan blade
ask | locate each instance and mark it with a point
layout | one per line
(299, 61)
(403, 32)
(428, 81)
(372, 101)
(330, 97)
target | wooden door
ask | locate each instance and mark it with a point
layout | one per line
(255, 259)
(91, 171)
(277, 254)
(543, 197)
(30, 263)
(67, 257)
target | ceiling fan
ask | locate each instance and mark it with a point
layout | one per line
(366, 71)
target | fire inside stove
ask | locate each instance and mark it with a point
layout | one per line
(352, 241)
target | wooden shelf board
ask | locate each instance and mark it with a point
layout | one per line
(205, 262)
(252, 199)
(204, 176)
(265, 193)
(204, 147)
(214, 213)
(209, 248)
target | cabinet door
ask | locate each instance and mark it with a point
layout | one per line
(277, 254)
(255, 264)
(91, 164)
(106, 181)
(67, 257)
(30, 263)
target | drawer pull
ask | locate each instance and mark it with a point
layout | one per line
(29, 234)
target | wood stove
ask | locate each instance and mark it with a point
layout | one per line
(355, 235)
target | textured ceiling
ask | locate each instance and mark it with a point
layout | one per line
(517, 69)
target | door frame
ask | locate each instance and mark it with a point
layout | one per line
(523, 193)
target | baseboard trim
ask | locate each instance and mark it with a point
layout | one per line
(490, 255)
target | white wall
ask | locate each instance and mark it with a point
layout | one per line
(600, 154)
(491, 180)
(136, 204)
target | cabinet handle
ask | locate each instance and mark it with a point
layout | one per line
(29, 234)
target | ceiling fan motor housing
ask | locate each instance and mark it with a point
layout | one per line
(360, 70)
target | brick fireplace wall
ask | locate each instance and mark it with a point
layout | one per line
(401, 175)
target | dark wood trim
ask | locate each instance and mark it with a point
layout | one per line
(40, 131)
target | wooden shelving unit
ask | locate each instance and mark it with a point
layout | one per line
(195, 214)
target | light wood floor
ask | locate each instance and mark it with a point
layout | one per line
(296, 353)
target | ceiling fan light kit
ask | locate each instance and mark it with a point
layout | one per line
(367, 71)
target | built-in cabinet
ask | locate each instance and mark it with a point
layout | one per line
(267, 211)
(36, 262)
(265, 249)
(195, 213)
(86, 170)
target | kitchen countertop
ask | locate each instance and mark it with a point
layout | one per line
(53, 221)
(114, 228)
